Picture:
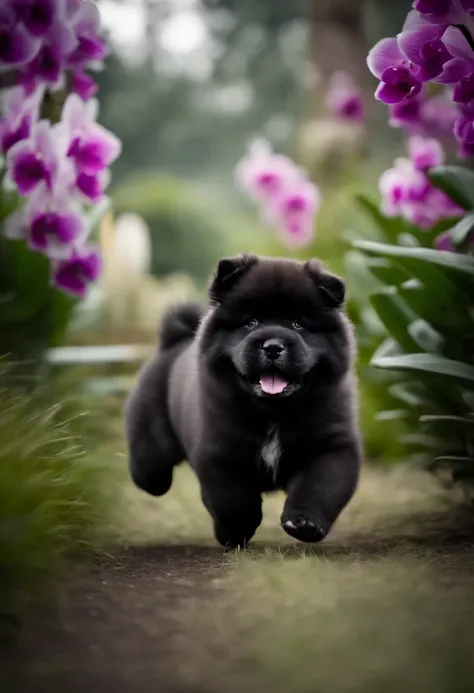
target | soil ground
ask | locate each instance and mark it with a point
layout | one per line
(169, 611)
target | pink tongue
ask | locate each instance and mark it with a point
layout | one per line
(272, 384)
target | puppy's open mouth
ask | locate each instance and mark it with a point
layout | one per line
(275, 385)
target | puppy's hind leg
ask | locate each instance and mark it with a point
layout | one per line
(153, 447)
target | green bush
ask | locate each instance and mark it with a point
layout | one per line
(52, 497)
(186, 233)
(424, 300)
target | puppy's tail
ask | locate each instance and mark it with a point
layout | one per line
(180, 324)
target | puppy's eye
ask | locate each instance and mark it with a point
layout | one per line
(252, 323)
(297, 325)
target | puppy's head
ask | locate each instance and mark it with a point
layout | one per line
(276, 326)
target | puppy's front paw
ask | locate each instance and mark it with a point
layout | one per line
(304, 528)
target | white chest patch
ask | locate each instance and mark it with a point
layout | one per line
(271, 449)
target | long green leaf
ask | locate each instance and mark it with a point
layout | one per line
(462, 421)
(396, 317)
(454, 459)
(456, 182)
(389, 227)
(389, 347)
(428, 364)
(386, 272)
(446, 312)
(412, 393)
(427, 338)
(392, 415)
(458, 266)
(460, 232)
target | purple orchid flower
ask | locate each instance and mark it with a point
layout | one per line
(408, 193)
(54, 223)
(422, 46)
(344, 99)
(288, 201)
(399, 80)
(17, 45)
(51, 222)
(407, 114)
(293, 212)
(83, 85)
(435, 9)
(425, 153)
(439, 114)
(443, 11)
(48, 65)
(460, 69)
(263, 174)
(398, 184)
(38, 16)
(39, 158)
(464, 128)
(92, 187)
(20, 114)
(75, 274)
(432, 116)
(86, 25)
(91, 146)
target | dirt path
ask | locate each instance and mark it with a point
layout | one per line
(120, 624)
(115, 627)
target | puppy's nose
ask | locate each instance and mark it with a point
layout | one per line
(273, 348)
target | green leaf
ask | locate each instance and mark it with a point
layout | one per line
(460, 232)
(9, 203)
(427, 338)
(412, 393)
(61, 308)
(371, 322)
(396, 317)
(389, 347)
(428, 364)
(453, 459)
(389, 227)
(25, 278)
(408, 240)
(447, 418)
(456, 182)
(387, 272)
(392, 415)
(428, 265)
(421, 440)
(445, 311)
(359, 280)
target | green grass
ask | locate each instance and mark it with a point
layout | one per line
(52, 496)
(385, 604)
(348, 623)
(395, 503)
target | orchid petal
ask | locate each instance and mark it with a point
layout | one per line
(386, 53)
(457, 44)
(411, 42)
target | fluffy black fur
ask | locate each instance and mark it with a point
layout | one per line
(207, 397)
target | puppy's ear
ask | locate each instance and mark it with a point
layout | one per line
(332, 289)
(229, 271)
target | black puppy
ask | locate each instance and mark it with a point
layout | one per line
(258, 394)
